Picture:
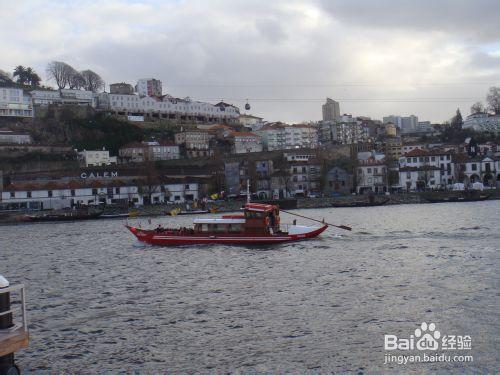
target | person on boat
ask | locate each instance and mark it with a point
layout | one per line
(159, 229)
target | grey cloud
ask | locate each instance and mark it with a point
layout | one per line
(476, 20)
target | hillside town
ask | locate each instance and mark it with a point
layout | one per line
(185, 150)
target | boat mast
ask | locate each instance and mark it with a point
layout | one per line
(248, 190)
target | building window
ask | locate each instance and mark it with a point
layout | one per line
(474, 167)
(415, 160)
(375, 170)
(408, 175)
(49, 193)
(369, 170)
(28, 194)
(73, 193)
(12, 194)
(433, 158)
(94, 191)
(117, 190)
(186, 187)
(408, 160)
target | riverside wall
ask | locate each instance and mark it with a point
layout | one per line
(302, 203)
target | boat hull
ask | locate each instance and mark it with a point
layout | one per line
(360, 204)
(457, 198)
(169, 239)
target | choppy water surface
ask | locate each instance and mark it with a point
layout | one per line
(99, 301)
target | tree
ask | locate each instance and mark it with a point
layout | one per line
(457, 121)
(32, 78)
(76, 81)
(26, 76)
(20, 73)
(493, 99)
(93, 81)
(5, 77)
(477, 107)
(61, 73)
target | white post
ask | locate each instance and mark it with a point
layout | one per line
(248, 190)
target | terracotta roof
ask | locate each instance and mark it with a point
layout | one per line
(272, 127)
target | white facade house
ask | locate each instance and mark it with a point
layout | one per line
(485, 170)
(252, 122)
(371, 175)
(482, 122)
(15, 103)
(96, 158)
(65, 195)
(166, 107)
(246, 142)
(63, 96)
(301, 136)
(420, 169)
(273, 136)
(8, 136)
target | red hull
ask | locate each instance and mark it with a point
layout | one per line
(170, 239)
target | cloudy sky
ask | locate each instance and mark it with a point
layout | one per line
(377, 58)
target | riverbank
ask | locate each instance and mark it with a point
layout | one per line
(235, 205)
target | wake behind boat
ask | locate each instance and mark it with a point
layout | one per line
(259, 225)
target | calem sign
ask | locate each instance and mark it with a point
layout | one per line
(104, 174)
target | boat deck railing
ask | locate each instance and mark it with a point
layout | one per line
(15, 337)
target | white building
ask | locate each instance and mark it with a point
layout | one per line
(168, 107)
(349, 132)
(371, 175)
(273, 136)
(15, 103)
(96, 158)
(246, 142)
(420, 169)
(63, 96)
(301, 136)
(149, 87)
(252, 122)
(482, 122)
(482, 169)
(57, 195)
(8, 136)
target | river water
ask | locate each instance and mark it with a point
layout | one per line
(99, 301)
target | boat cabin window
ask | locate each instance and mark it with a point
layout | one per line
(254, 214)
(219, 228)
(204, 227)
(235, 228)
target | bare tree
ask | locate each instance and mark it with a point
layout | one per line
(93, 82)
(61, 73)
(76, 81)
(493, 100)
(477, 107)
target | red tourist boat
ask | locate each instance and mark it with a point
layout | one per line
(259, 225)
